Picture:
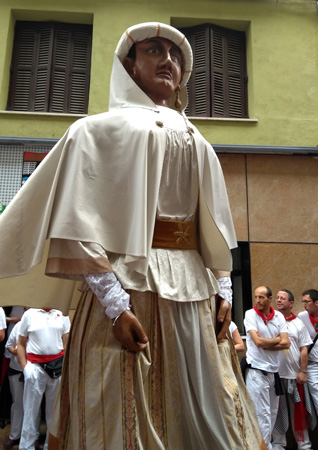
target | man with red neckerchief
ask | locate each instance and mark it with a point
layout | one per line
(310, 320)
(293, 374)
(266, 333)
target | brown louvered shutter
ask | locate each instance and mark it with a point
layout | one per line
(199, 85)
(43, 67)
(50, 67)
(80, 76)
(30, 67)
(70, 71)
(218, 84)
(228, 73)
(61, 61)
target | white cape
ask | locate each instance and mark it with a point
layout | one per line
(100, 184)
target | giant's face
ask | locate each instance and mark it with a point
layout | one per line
(156, 69)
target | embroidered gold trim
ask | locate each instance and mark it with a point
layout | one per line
(174, 234)
(183, 235)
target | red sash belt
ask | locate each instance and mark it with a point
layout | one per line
(33, 358)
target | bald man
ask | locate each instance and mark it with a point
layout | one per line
(266, 334)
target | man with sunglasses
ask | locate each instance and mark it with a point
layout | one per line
(310, 320)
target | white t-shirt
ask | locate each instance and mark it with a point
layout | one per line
(44, 331)
(12, 342)
(289, 360)
(232, 327)
(3, 322)
(258, 357)
(304, 317)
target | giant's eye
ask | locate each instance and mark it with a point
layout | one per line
(176, 57)
(153, 50)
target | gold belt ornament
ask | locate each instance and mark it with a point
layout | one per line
(174, 234)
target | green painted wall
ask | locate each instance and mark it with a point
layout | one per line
(282, 48)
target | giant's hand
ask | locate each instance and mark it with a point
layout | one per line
(223, 319)
(129, 332)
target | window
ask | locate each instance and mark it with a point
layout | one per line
(218, 84)
(50, 69)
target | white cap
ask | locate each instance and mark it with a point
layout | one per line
(147, 30)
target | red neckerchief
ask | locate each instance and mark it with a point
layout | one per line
(46, 309)
(262, 315)
(292, 317)
(314, 322)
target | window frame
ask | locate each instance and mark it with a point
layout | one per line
(218, 84)
(34, 86)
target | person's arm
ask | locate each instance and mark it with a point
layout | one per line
(302, 375)
(265, 343)
(224, 317)
(65, 337)
(11, 344)
(21, 351)
(224, 303)
(14, 319)
(13, 350)
(238, 341)
(3, 324)
(283, 344)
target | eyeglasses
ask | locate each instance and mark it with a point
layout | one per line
(306, 301)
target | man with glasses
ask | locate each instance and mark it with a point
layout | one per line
(310, 320)
(293, 374)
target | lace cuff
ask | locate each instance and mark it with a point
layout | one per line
(109, 292)
(225, 291)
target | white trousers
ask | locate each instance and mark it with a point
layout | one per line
(16, 389)
(35, 386)
(312, 381)
(262, 390)
(279, 440)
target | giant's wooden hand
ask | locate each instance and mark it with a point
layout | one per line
(129, 332)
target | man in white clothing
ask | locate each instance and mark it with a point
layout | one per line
(310, 320)
(42, 339)
(266, 332)
(293, 374)
(16, 389)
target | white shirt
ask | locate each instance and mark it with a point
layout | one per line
(3, 322)
(261, 358)
(44, 331)
(289, 359)
(232, 327)
(304, 317)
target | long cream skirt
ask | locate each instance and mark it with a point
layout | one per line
(184, 392)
